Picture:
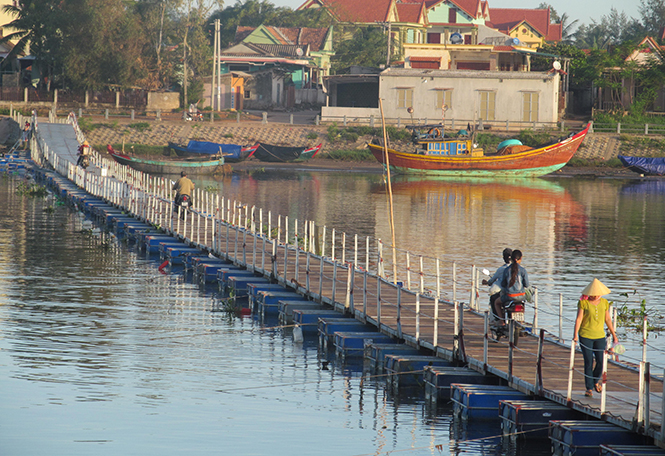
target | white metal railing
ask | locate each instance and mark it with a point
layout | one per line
(307, 257)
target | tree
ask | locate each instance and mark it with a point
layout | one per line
(368, 47)
(612, 29)
(653, 16)
(35, 26)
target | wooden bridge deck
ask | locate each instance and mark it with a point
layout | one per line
(393, 309)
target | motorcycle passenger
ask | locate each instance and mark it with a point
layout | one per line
(183, 187)
(514, 283)
(83, 153)
(498, 275)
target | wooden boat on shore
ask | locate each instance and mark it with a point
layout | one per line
(193, 166)
(441, 156)
(271, 153)
(649, 166)
(232, 153)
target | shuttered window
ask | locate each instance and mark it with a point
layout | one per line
(405, 98)
(530, 106)
(487, 105)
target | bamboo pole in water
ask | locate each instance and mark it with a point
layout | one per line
(390, 191)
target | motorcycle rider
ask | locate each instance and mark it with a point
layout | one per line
(498, 275)
(514, 283)
(183, 187)
(83, 153)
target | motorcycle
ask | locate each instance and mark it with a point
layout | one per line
(85, 161)
(196, 116)
(513, 311)
(184, 202)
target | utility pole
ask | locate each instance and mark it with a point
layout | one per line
(388, 53)
(214, 69)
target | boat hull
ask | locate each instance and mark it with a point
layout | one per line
(191, 167)
(276, 154)
(530, 163)
(649, 166)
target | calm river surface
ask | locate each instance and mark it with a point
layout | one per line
(102, 354)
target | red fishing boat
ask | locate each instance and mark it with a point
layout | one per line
(444, 156)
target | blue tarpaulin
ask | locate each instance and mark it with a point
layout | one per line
(644, 165)
(211, 148)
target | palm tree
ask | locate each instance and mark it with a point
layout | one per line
(567, 32)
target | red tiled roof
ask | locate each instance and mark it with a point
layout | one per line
(411, 12)
(503, 48)
(554, 33)
(505, 19)
(242, 33)
(364, 11)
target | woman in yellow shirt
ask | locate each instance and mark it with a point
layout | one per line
(593, 313)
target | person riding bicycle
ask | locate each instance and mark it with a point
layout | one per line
(514, 284)
(183, 187)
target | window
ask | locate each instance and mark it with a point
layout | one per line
(529, 106)
(452, 15)
(444, 96)
(434, 38)
(487, 103)
(405, 98)
(248, 94)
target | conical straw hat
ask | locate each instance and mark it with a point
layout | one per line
(596, 288)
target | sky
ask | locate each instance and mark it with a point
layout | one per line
(584, 10)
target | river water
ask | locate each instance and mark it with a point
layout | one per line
(102, 354)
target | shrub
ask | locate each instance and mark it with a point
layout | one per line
(140, 126)
(312, 136)
(350, 155)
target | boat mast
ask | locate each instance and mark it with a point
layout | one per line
(390, 190)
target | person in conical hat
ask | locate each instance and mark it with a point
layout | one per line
(593, 313)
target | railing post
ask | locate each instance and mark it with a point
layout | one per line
(321, 279)
(662, 412)
(334, 281)
(647, 395)
(456, 331)
(560, 317)
(438, 278)
(365, 299)
(472, 296)
(486, 336)
(422, 276)
(399, 311)
(618, 128)
(511, 346)
(408, 270)
(350, 275)
(378, 303)
(454, 281)
(535, 309)
(603, 394)
(418, 319)
(265, 117)
(539, 363)
(380, 271)
(436, 322)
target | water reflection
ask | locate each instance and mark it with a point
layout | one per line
(138, 362)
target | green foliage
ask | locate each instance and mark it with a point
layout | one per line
(312, 136)
(367, 47)
(136, 149)
(140, 126)
(356, 155)
(534, 138)
(31, 189)
(351, 134)
(253, 13)
(86, 125)
(228, 135)
(633, 317)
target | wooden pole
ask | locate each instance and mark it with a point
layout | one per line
(390, 190)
